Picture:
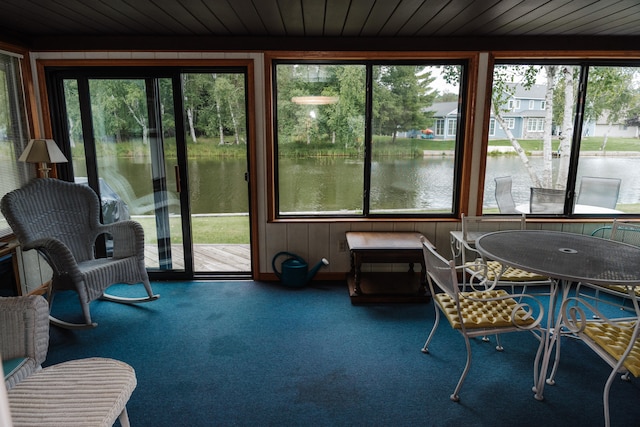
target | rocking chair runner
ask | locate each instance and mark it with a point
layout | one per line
(61, 220)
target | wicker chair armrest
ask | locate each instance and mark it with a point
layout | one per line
(57, 254)
(128, 238)
(25, 327)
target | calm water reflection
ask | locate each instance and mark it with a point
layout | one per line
(310, 184)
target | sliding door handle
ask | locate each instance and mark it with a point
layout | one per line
(176, 168)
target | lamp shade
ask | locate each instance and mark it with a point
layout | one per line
(42, 151)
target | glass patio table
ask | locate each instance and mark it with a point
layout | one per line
(567, 258)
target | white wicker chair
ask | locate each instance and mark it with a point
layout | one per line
(24, 336)
(62, 221)
(58, 394)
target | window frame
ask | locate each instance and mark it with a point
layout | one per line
(608, 59)
(469, 63)
(538, 125)
(510, 121)
(452, 126)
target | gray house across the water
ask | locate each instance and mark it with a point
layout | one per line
(524, 118)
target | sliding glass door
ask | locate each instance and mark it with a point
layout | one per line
(163, 148)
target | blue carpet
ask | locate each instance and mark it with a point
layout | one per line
(244, 353)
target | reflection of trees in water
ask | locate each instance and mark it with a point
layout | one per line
(215, 185)
(403, 185)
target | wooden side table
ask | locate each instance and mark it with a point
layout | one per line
(386, 247)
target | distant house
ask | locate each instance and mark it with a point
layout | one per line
(615, 130)
(444, 126)
(525, 115)
(524, 118)
(446, 119)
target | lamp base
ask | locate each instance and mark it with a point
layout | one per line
(44, 170)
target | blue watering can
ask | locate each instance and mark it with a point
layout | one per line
(295, 272)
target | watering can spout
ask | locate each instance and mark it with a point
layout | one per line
(317, 267)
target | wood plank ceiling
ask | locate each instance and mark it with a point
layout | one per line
(36, 22)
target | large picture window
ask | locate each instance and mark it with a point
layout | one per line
(578, 153)
(367, 139)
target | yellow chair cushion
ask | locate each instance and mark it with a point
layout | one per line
(622, 289)
(510, 274)
(482, 314)
(615, 340)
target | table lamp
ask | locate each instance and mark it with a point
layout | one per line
(42, 151)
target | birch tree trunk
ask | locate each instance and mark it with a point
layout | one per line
(142, 122)
(220, 127)
(603, 147)
(192, 130)
(72, 141)
(547, 148)
(516, 145)
(236, 131)
(567, 130)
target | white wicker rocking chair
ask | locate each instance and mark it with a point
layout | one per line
(61, 220)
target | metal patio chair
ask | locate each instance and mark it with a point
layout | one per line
(475, 226)
(485, 310)
(546, 201)
(503, 194)
(621, 231)
(597, 191)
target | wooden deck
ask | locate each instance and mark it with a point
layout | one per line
(207, 258)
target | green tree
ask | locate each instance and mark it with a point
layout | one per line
(609, 96)
(346, 117)
(402, 95)
(119, 108)
(236, 106)
(72, 105)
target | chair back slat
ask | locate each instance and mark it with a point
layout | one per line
(440, 272)
(48, 208)
(503, 194)
(546, 200)
(626, 232)
(597, 191)
(473, 226)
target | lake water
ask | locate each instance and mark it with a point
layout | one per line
(311, 183)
